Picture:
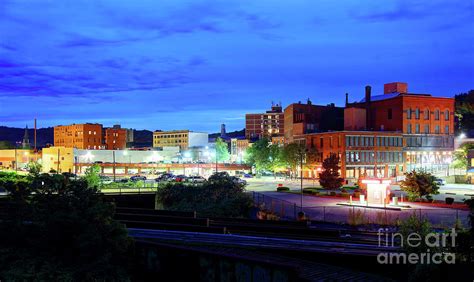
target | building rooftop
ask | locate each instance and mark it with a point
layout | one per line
(391, 95)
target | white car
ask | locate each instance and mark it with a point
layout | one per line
(195, 179)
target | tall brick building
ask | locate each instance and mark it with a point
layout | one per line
(80, 136)
(115, 138)
(308, 118)
(426, 123)
(268, 124)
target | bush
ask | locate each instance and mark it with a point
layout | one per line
(284, 189)
(220, 196)
(344, 194)
(419, 184)
(332, 193)
(449, 200)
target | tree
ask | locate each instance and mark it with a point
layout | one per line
(222, 150)
(34, 168)
(55, 229)
(329, 177)
(92, 175)
(419, 184)
(293, 155)
(220, 196)
(6, 145)
(460, 156)
(465, 111)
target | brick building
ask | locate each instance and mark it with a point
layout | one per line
(426, 123)
(115, 138)
(80, 136)
(308, 118)
(362, 153)
(268, 124)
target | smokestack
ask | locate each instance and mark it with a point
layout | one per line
(368, 117)
(368, 91)
(223, 133)
(347, 99)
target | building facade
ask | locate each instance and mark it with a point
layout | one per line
(12, 159)
(115, 138)
(268, 124)
(361, 153)
(80, 136)
(184, 139)
(426, 123)
(238, 148)
(58, 158)
(308, 118)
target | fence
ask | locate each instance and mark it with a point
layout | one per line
(438, 217)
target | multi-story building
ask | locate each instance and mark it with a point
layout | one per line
(268, 124)
(16, 159)
(80, 136)
(426, 123)
(183, 138)
(308, 118)
(361, 153)
(59, 159)
(470, 166)
(115, 138)
(238, 148)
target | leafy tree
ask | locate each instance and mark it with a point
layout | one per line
(258, 155)
(220, 196)
(419, 184)
(92, 175)
(460, 156)
(34, 168)
(58, 229)
(222, 150)
(465, 111)
(329, 177)
(293, 155)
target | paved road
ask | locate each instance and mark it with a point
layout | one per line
(457, 191)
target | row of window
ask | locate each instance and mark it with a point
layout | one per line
(430, 141)
(170, 136)
(426, 129)
(171, 141)
(372, 157)
(426, 114)
(368, 141)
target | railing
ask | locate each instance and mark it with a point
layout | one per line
(439, 218)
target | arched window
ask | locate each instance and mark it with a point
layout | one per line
(417, 113)
(409, 113)
(446, 115)
(436, 114)
(427, 114)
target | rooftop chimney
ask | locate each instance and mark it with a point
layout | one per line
(395, 87)
(368, 91)
(347, 99)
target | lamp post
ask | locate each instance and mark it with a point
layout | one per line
(301, 180)
(215, 147)
(113, 158)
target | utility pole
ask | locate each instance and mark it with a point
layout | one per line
(216, 155)
(57, 168)
(16, 159)
(113, 157)
(301, 180)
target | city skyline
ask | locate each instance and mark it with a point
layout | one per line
(192, 65)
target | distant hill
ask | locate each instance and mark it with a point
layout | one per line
(233, 134)
(12, 134)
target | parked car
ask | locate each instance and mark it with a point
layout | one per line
(105, 179)
(164, 177)
(195, 179)
(180, 178)
(122, 180)
(440, 181)
(247, 175)
(239, 180)
(138, 178)
(99, 162)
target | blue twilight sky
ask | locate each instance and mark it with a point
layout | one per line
(196, 64)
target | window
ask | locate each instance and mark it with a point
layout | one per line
(417, 113)
(427, 129)
(389, 114)
(437, 115)
(446, 129)
(409, 114)
(446, 115)
(321, 142)
(417, 128)
(437, 129)
(409, 128)
(427, 114)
